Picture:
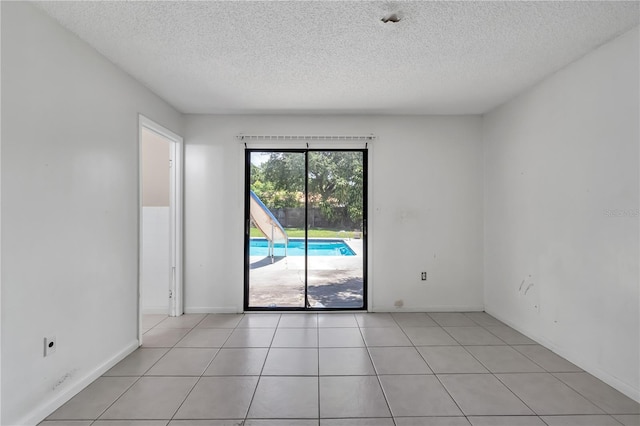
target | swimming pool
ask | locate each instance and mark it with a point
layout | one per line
(319, 247)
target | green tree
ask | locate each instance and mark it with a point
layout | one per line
(335, 182)
(279, 181)
(285, 170)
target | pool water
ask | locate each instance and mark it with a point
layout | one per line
(260, 247)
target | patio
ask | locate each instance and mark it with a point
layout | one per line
(333, 281)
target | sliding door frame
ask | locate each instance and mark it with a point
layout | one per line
(247, 227)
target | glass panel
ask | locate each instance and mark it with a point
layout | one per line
(276, 245)
(335, 274)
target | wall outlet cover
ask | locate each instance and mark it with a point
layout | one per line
(50, 345)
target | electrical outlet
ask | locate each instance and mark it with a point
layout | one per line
(49, 345)
(423, 276)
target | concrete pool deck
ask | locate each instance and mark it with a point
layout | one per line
(333, 281)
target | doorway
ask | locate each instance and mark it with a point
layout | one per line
(160, 220)
(306, 233)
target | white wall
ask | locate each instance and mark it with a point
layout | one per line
(156, 156)
(561, 164)
(425, 207)
(69, 211)
(155, 263)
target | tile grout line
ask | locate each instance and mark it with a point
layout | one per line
(200, 377)
(580, 393)
(165, 347)
(209, 364)
(134, 382)
(384, 394)
(434, 374)
(255, 390)
(539, 364)
(463, 346)
(490, 372)
(545, 371)
(203, 371)
(500, 381)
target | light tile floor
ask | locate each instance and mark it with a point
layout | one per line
(343, 369)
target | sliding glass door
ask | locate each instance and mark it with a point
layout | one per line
(305, 236)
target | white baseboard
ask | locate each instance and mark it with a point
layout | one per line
(213, 310)
(433, 308)
(612, 381)
(47, 407)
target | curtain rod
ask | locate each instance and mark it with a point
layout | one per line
(365, 138)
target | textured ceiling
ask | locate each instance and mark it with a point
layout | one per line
(338, 56)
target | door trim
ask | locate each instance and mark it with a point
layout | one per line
(366, 152)
(176, 212)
